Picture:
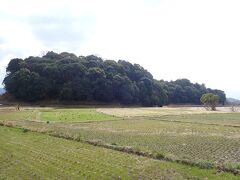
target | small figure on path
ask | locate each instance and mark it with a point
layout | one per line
(18, 107)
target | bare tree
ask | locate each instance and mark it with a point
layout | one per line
(234, 107)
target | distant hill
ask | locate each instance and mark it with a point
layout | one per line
(232, 101)
(68, 77)
(2, 91)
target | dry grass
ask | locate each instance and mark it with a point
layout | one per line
(190, 135)
(28, 155)
(156, 111)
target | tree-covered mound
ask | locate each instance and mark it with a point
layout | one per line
(67, 77)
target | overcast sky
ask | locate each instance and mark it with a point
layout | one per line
(194, 39)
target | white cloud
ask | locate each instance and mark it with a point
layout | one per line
(199, 40)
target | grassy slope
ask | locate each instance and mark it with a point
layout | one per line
(37, 156)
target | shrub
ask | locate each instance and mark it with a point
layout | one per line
(8, 124)
(205, 165)
(24, 130)
(159, 155)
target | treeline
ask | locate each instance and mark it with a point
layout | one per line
(182, 91)
(67, 77)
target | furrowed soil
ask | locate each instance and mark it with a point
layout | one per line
(28, 155)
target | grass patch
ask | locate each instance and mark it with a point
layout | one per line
(55, 115)
(24, 130)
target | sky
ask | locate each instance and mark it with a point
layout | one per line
(194, 39)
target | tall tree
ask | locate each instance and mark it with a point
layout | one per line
(210, 100)
(66, 76)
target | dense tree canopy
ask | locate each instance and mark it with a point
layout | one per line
(182, 91)
(67, 77)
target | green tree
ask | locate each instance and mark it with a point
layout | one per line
(90, 78)
(26, 85)
(67, 92)
(14, 65)
(209, 100)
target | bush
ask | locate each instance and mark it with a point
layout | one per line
(205, 165)
(24, 130)
(8, 124)
(159, 156)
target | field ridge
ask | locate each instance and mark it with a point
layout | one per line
(178, 135)
(129, 150)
